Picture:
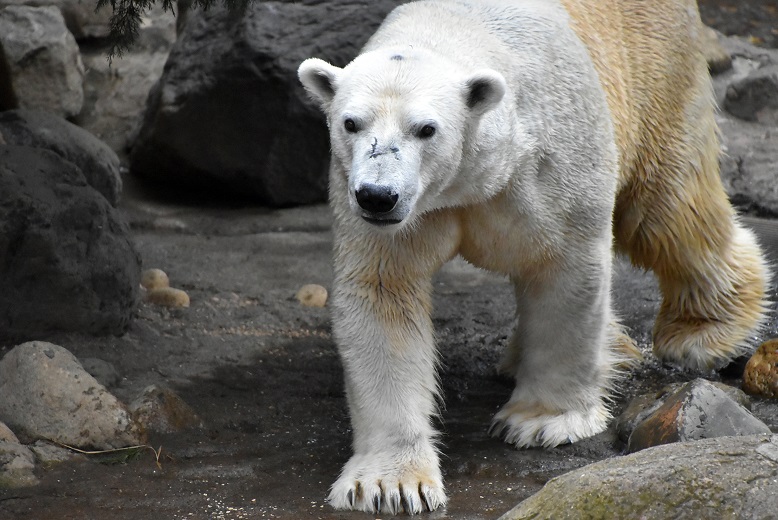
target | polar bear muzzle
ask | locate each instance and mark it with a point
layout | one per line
(378, 202)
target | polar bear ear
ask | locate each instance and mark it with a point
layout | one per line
(483, 90)
(319, 78)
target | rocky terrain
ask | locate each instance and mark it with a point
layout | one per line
(212, 389)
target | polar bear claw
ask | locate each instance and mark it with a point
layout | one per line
(365, 486)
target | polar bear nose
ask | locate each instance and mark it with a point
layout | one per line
(375, 198)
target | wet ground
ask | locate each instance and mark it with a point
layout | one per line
(263, 374)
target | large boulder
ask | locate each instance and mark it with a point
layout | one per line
(40, 65)
(115, 91)
(46, 394)
(98, 163)
(66, 260)
(229, 114)
(727, 477)
(81, 17)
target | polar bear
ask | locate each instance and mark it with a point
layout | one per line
(523, 135)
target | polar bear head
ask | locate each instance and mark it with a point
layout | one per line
(399, 121)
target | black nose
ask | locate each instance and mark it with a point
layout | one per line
(375, 198)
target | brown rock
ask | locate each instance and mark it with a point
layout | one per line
(761, 374)
(161, 410)
(154, 279)
(699, 410)
(168, 297)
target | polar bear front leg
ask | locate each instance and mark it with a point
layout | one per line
(384, 333)
(562, 357)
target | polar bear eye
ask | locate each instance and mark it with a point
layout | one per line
(350, 126)
(426, 131)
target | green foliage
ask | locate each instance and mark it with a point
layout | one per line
(127, 16)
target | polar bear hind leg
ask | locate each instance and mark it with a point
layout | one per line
(674, 218)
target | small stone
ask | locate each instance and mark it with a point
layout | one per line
(16, 466)
(312, 295)
(699, 410)
(168, 297)
(161, 410)
(49, 454)
(154, 279)
(761, 374)
(644, 405)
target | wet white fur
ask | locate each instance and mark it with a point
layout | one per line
(522, 183)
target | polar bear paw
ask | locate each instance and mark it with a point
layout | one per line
(368, 483)
(525, 425)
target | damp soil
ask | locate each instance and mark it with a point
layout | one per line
(263, 374)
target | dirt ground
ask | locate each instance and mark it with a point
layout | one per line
(263, 373)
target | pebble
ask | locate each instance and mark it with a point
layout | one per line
(154, 279)
(17, 465)
(312, 295)
(761, 374)
(168, 297)
(161, 410)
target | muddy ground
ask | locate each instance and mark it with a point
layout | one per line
(263, 374)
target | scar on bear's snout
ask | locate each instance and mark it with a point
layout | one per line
(375, 152)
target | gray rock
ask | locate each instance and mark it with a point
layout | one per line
(41, 60)
(698, 410)
(80, 16)
(748, 166)
(98, 163)
(229, 114)
(103, 371)
(728, 477)
(46, 394)
(644, 405)
(161, 410)
(755, 97)
(68, 262)
(49, 454)
(115, 92)
(16, 465)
